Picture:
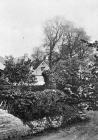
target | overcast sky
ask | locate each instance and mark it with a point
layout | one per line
(21, 21)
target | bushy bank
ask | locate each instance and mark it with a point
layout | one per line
(31, 106)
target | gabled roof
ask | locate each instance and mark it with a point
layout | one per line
(39, 63)
(42, 63)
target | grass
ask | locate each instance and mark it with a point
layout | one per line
(11, 126)
(79, 131)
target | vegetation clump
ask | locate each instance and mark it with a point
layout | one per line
(33, 106)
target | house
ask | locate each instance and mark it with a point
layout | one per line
(38, 71)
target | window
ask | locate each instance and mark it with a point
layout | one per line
(42, 68)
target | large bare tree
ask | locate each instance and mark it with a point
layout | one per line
(62, 34)
(53, 33)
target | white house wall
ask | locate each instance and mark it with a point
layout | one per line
(2, 66)
(40, 80)
(38, 71)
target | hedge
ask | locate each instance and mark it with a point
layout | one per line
(31, 106)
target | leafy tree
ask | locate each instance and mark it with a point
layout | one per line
(9, 70)
(23, 69)
(18, 72)
(93, 90)
(72, 44)
(68, 53)
(63, 36)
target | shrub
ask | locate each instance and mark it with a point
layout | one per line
(33, 88)
(32, 106)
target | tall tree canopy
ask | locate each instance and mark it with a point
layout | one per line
(68, 51)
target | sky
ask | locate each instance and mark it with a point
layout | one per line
(21, 21)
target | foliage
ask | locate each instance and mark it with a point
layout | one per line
(69, 55)
(80, 73)
(93, 90)
(18, 72)
(32, 88)
(63, 36)
(73, 69)
(9, 69)
(30, 79)
(30, 106)
(65, 72)
(4, 84)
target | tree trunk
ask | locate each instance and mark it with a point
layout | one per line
(52, 82)
(50, 59)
